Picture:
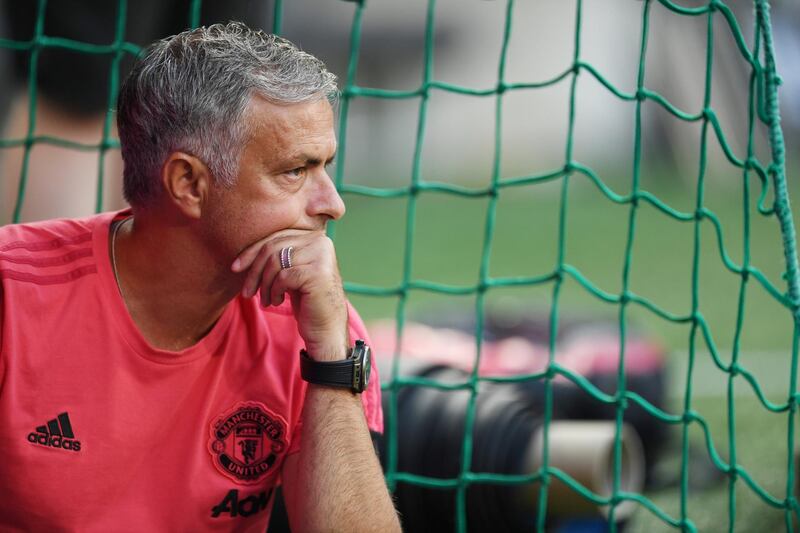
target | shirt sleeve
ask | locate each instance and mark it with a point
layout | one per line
(2, 353)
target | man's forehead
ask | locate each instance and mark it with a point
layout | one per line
(298, 132)
(264, 113)
(313, 153)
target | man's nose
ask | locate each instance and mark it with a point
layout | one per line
(325, 199)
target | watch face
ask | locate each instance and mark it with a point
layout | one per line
(366, 366)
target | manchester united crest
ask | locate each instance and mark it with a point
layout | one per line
(246, 442)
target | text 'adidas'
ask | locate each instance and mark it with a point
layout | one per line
(56, 434)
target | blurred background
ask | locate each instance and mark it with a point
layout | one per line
(384, 242)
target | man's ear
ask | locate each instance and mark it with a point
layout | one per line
(186, 181)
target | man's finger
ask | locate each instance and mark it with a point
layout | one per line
(257, 271)
(246, 258)
(287, 280)
(249, 254)
(301, 256)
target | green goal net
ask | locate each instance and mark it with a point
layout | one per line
(768, 199)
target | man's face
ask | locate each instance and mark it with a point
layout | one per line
(282, 181)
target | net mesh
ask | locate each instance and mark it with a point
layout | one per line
(762, 107)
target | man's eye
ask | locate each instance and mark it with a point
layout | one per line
(298, 172)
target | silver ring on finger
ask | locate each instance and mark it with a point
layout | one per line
(286, 257)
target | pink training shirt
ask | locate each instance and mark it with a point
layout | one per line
(99, 431)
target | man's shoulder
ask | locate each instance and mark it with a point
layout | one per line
(49, 234)
(51, 253)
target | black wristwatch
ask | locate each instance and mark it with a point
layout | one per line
(351, 373)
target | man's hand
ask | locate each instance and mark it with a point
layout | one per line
(313, 283)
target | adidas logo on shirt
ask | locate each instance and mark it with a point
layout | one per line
(57, 433)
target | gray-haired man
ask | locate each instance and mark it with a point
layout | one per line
(143, 386)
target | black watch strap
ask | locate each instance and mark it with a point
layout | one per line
(328, 373)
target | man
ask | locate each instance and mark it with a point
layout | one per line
(150, 373)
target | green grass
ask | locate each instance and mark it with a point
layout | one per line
(761, 448)
(448, 243)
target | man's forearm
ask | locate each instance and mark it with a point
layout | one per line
(334, 483)
(337, 483)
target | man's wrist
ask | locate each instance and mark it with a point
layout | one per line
(352, 373)
(328, 351)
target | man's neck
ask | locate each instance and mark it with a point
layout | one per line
(173, 288)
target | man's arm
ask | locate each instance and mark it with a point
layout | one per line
(335, 482)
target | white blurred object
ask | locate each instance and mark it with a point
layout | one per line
(585, 451)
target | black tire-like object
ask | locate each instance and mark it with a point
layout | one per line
(430, 440)
(430, 436)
